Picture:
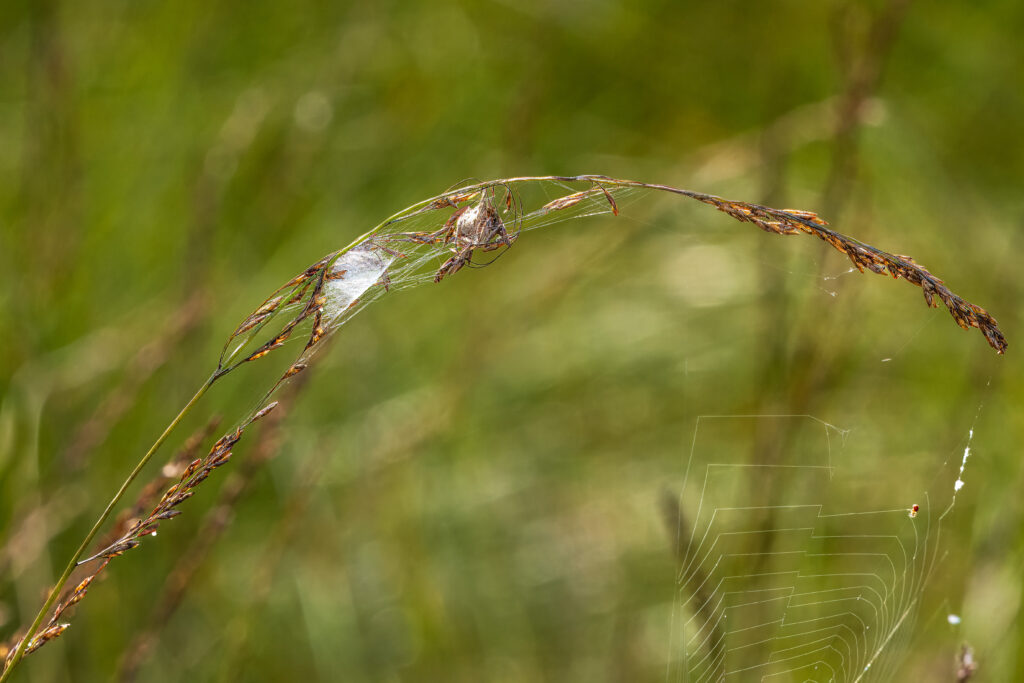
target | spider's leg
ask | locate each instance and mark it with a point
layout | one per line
(502, 239)
(455, 263)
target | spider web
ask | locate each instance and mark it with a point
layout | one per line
(796, 569)
(798, 561)
(398, 255)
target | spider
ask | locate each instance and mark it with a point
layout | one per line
(476, 226)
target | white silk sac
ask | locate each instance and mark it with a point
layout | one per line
(356, 271)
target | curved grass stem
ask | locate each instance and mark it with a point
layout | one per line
(100, 521)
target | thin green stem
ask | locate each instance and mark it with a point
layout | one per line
(73, 562)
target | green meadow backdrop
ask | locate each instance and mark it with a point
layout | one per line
(497, 477)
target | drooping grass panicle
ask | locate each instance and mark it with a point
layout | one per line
(193, 474)
(865, 256)
(214, 524)
(395, 254)
(127, 519)
(403, 251)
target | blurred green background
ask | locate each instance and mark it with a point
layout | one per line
(474, 481)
